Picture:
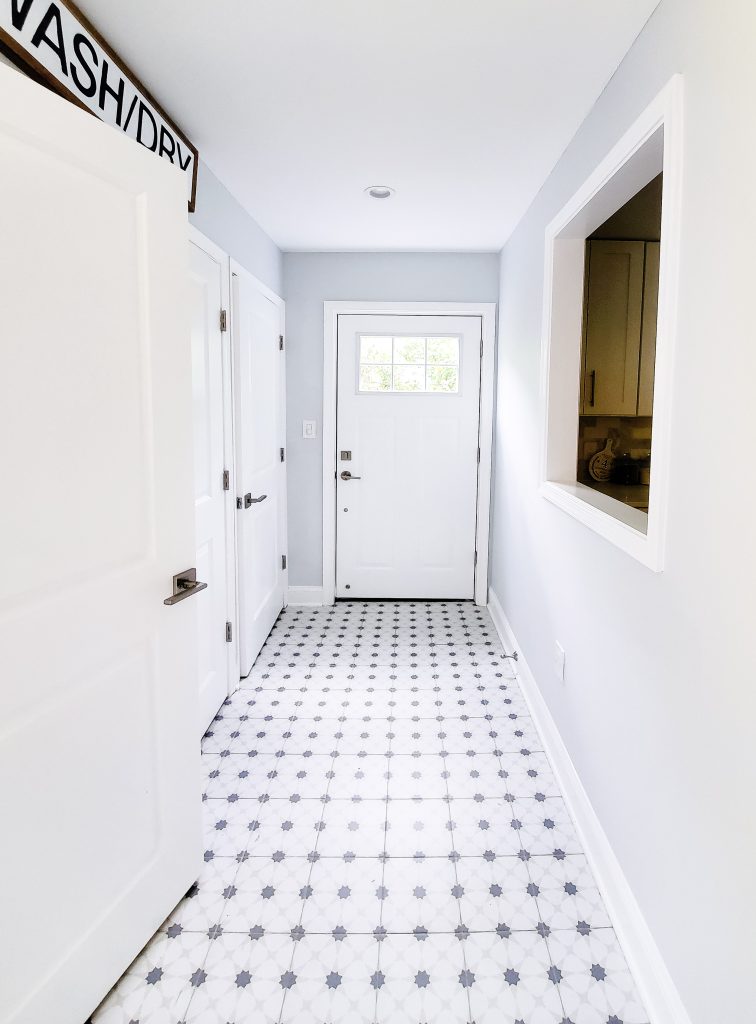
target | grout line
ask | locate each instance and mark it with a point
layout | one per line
(387, 801)
(449, 805)
(313, 862)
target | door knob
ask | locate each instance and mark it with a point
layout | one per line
(249, 500)
(346, 475)
(184, 585)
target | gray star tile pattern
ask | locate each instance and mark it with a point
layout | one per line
(385, 844)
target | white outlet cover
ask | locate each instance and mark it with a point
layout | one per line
(309, 428)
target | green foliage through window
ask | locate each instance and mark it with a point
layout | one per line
(409, 364)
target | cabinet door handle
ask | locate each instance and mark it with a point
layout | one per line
(592, 399)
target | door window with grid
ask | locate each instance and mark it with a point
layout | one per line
(426, 365)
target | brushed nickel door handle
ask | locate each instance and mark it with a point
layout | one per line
(346, 475)
(184, 585)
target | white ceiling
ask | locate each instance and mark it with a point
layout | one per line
(463, 106)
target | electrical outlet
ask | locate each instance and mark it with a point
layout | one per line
(309, 428)
(559, 660)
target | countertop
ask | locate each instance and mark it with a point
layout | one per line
(631, 494)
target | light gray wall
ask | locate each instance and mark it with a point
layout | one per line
(224, 221)
(310, 279)
(659, 705)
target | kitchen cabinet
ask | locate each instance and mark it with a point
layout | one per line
(619, 328)
(648, 331)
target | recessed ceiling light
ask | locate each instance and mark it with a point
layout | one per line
(380, 191)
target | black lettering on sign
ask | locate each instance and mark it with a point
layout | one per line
(132, 108)
(167, 143)
(40, 36)
(18, 14)
(146, 112)
(81, 42)
(106, 89)
(183, 164)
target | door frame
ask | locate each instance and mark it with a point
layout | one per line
(236, 268)
(229, 454)
(331, 313)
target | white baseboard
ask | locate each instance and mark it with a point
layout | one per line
(655, 985)
(305, 596)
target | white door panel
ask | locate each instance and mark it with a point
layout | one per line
(208, 353)
(406, 521)
(98, 744)
(259, 382)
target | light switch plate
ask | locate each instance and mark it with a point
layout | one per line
(309, 428)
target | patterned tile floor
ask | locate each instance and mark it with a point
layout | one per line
(385, 843)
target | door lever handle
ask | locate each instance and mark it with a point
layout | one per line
(249, 500)
(184, 585)
(346, 475)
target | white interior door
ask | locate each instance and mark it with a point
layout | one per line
(98, 748)
(210, 356)
(407, 455)
(261, 470)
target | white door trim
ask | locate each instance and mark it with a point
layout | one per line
(229, 454)
(331, 312)
(283, 525)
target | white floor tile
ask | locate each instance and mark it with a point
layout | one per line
(385, 844)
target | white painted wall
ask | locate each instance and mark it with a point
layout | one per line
(225, 221)
(309, 280)
(659, 707)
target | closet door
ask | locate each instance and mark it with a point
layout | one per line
(99, 756)
(260, 467)
(211, 370)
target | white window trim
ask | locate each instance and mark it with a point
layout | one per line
(426, 394)
(561, 339)
(331, 312)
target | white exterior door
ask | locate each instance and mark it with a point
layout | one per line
(210, 366)
(260, 469)
(407, 455)
(99, 756)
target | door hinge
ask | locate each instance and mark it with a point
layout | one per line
(478, 453)
(229, 633)
(226, 480)
(283, 561)
(475, 562)
(481, 348)
(280, 342)
(283, 455)
(223, 320)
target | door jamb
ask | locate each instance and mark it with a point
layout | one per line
(331, 312)
(232, 604)
(237, 268)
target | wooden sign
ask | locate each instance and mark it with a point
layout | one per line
(60, 47)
